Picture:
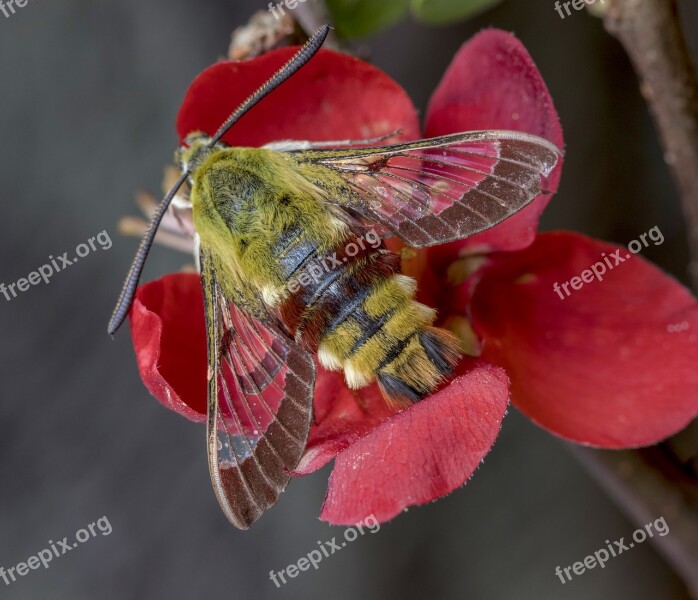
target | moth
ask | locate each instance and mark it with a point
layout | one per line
(293, 266)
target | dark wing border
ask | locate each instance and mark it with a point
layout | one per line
(249, 463)
(441, 189)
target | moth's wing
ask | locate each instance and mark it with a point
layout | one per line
(260, 398)
(440, 189)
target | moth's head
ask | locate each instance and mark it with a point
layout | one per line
(194, 151)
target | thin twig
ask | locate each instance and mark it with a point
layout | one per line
(650, 31)
(313, 14)
(648, 485)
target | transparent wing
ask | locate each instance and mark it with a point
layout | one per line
(260, 394)
(441, 189)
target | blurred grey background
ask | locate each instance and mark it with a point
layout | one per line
(90, 90)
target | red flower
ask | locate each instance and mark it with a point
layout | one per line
(613, 365)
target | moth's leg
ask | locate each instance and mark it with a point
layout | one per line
(291, 145)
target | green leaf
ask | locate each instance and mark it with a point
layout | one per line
(358, 18)
(439, 12)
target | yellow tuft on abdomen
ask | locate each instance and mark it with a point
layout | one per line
(390, 338)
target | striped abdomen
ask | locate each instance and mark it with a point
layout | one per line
(354, 309)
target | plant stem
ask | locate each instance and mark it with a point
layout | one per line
(661, 481)
(648, 485)
(650, 31)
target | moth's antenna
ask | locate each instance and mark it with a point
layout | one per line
(134, 274)
(301, 58)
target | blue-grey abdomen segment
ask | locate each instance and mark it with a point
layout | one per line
(293, 250)
(325, 288)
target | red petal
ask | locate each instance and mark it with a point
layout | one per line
(493, 83)
(334, 97)
(612, 365)
(169, 337)
(421, 453)
(342, 416)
